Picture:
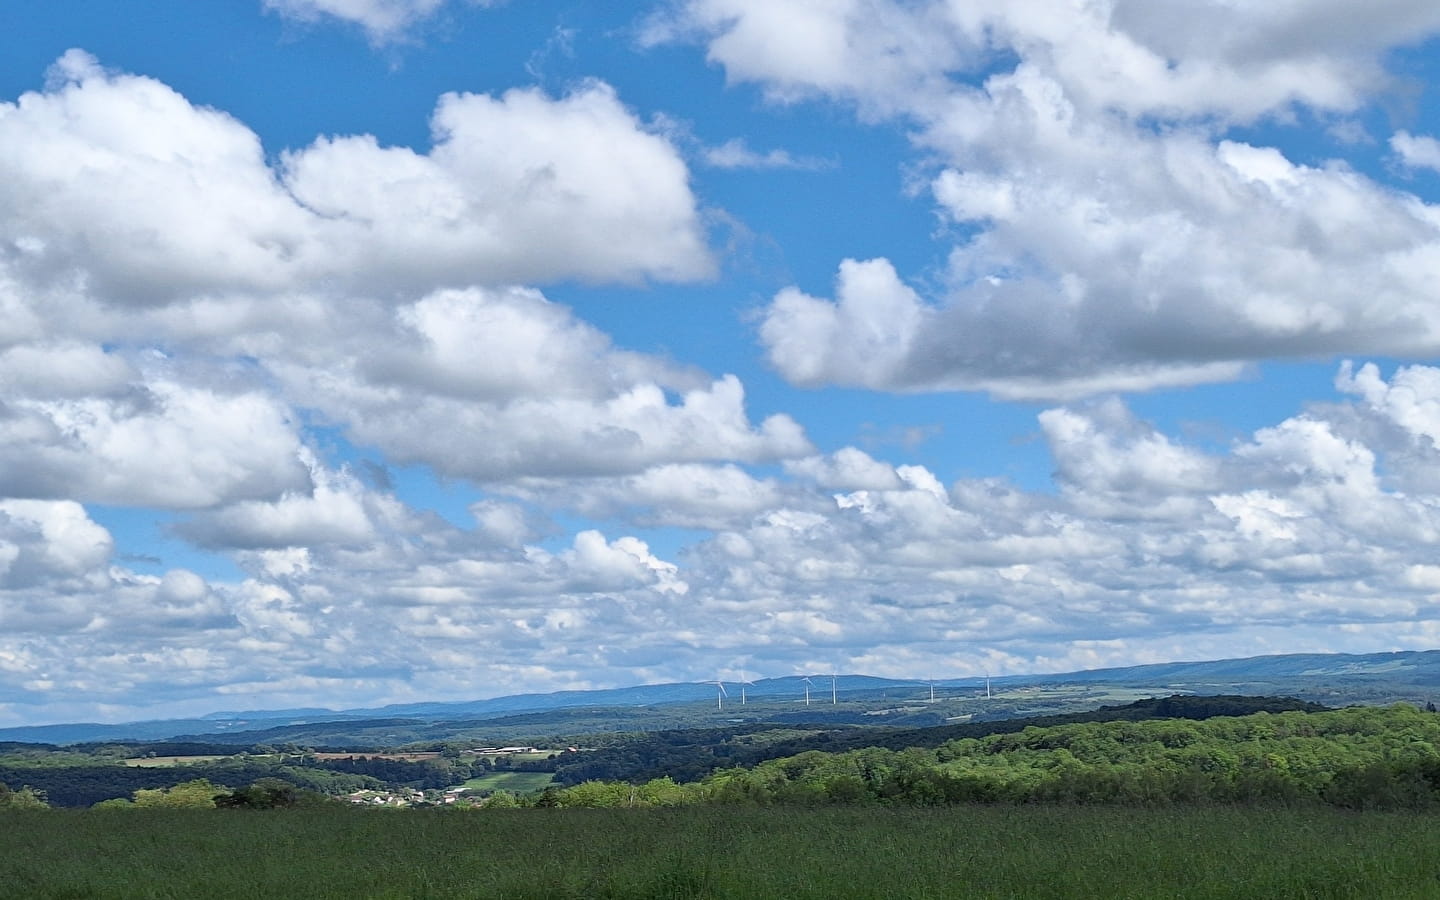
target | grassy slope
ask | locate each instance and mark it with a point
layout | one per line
(989, 852)
(519, 782)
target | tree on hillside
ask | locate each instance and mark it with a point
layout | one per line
(269, 793)
(197, 794)
(25, 798)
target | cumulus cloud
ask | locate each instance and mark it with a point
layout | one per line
(875, 52)
(846, 469)
(495, 384)
(1182, 265)
(1416, 151)
(50, 539)
(383, 20)
(411, 603)
(118, 182)
(685, 495)
(1296, 536)
(182, 308)
(1100, 253)
(152, 442)
(1293, 526)
(521, 187)
(134, 219)
(334, 511)
(1201, 59)
(58, 583)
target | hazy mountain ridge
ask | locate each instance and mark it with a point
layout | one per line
(1421, 667)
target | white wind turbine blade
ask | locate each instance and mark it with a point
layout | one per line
(744, 681)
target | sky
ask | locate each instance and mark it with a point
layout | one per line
(367, 351)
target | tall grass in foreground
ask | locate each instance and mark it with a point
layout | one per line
(822, 853)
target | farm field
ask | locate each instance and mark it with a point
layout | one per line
(518, 782)
(720, 852)
(156, 762)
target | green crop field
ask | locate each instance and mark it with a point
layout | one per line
(519, 782)
(721, 852)
(152, 762)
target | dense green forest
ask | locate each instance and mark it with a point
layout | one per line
(690, 755)
(1361, 758)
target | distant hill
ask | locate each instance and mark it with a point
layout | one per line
(1327, 677)
(1417, 665)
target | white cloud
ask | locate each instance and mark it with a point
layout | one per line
(58, 584)
(1181, 264)
(383, 20)
(152, 442)
(1416, 151)
(1206, 58)
(131, 219)
(1100, 252)
(62, 370)
(1112, 464)
(491, 385)
(50, 539)
(181, 312)
(736, 154)
(1411, 399)
(1147, 538)
(334, 511)
(518, 188)
(877, 52)
(1288, 539)
(118, 183)
(685, 495)
(846, 469)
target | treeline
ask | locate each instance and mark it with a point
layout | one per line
(86, 785)
(692, 755)
(1361, 758)
(69, 778)
(430, 774)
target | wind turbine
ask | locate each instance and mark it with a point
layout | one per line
(987, 685)
(806, 679)
(744, 681)
(833, 699)
(720, 694)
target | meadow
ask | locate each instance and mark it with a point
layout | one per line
(1031, 851)
(516, 782)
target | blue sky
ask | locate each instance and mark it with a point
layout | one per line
(364, 351)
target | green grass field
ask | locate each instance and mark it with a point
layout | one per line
(519, 782)
(821, 853)
(156, 762)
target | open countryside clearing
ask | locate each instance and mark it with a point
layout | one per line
(518, 782)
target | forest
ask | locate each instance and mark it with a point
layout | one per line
(691, 754)
(1356, 758)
